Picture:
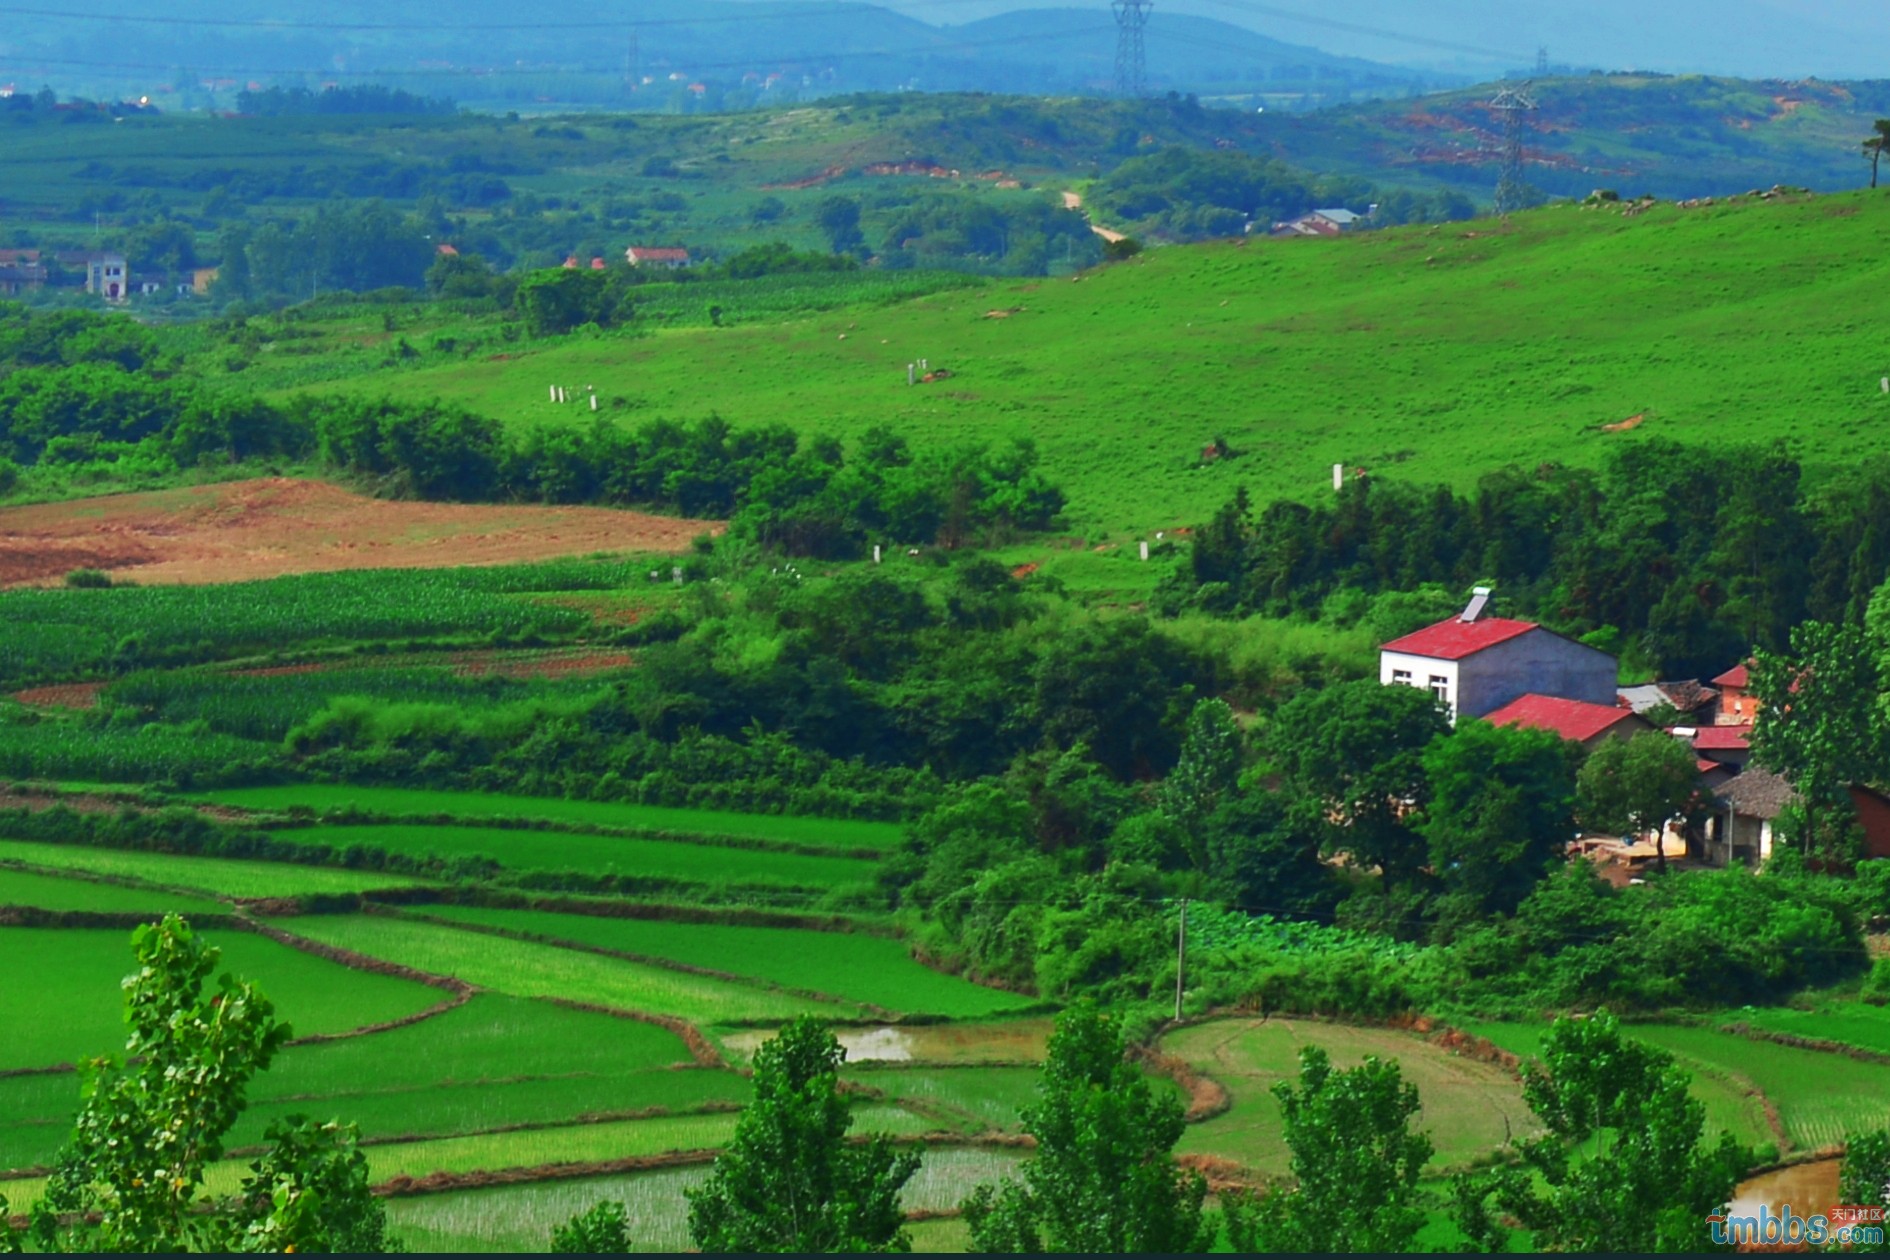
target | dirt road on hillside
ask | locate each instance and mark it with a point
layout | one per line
(1074, 201)
(276, 526)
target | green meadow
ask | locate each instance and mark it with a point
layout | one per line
(1425, 353)
(53, 892)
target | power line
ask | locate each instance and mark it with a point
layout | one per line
(1356, 28)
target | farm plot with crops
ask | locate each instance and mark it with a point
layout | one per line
(529, 969)
(1821, 1097)
(972, 1099)
(521, 850)
(846, 965)
(84, 965)
(53, 892)
(219, 877)
(839, 834)
(521, 1218)
(1848, 1023)
(60, 635)
(1470, 1107)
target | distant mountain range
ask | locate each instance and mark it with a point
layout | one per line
(480, 50)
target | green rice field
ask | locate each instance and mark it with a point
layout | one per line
(528, 969)
(218, 877)
(84, 965)
(1849, 1023)
(521, 1218)
(829, 833)
(847, 965)
(1470, 1107)
(976, 1099)
(52, 892)
(1723, 1078)
(619, 1139)
(517, 849)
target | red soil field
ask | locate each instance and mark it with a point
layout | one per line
(276, 526)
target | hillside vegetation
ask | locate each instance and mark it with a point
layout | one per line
(1432, 354)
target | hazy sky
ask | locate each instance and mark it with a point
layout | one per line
(1758, 38)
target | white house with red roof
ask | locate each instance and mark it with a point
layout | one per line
(1475, 663)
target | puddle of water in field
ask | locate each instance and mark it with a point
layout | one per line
(1807, 1188)
(1013, 1041)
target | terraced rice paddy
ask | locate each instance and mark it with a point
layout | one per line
(1470, 1107)
(517, 849)
(52, 892)
(521, 1218)
(1848, 1023)
(85, 965)
(217, 877)
(528, 969)
(828, 833)
(975, 1099)
(1734, 1099)
(847, 965)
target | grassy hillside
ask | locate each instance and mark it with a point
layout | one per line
(1433, 354)
(1672, 136)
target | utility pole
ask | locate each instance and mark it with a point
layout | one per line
(630, 64)
(1181, 956)
(1542, 62)
(1131, 57)
(1511, 104)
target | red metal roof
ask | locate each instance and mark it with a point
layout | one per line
(1571, 719)
(658, 255)
(1723, 738)
(1734, 677)
(1455, 639)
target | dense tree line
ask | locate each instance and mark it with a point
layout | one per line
(88, 391)
(1680, 557)
(367, 98)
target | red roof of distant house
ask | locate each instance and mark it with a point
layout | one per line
(1734, 677)
(597, 264)
(1571, 719)
(1455, 639)
(1723, 738)
(641, 254)
(1706, 767)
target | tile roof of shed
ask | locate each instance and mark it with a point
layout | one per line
(1455, 638)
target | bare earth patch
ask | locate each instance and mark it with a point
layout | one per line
(275, 526)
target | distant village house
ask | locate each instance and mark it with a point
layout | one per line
(664, 259)
(1475, 663)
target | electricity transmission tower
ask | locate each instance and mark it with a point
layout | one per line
(1131, 59)
(1542, 62)
(1512, 104)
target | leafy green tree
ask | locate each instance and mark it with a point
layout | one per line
(310, 1192)
(602, 1230)
(789, 1180)
(1209, 766)
(1354, 755)
(1635, 785)
(1820, 724)
(1103, 1179)
(1623, 1166)
(1876, 146)
(1355, 1162)
(1501, 815)
(151, 1123)
(1864, 1176)
(839, 219)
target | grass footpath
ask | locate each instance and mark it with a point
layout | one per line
(831, 833)
(868, 969)
(1433, 354)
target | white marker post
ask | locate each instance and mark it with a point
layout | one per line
(676, 573)
(1886, 384)
(912, 374)
(875, 553)
(554, 393)
(1338, 476)
(593, 402)
(1144, 549)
